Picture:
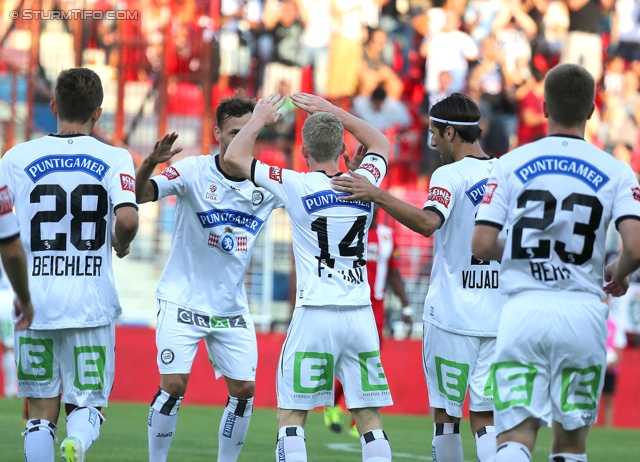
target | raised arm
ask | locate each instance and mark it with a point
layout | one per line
(368, 136)
(161, 153)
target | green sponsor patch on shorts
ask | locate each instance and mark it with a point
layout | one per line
(312, 372)
(453, 378)
(513, 384)
(580, 388)
(89, 365)
(35, 359)
(371, 372)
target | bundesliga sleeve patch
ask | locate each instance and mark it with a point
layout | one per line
(275, 174)
(488, 193)
(6, 205)
(636, 193)
(373, 170)
(127, 182)
(171, 173)
(441, 195)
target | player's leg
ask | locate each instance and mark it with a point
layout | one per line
(39, 382)
(233, 352)
(484, 433)
(517, 443)
(360, 370)
(87, 368)
(177, 344)
(568, 445)
(291, 446)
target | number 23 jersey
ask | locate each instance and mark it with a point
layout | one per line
(557, 197)
(329, 234)
(65, 190)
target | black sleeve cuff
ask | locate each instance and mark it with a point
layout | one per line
(6, 240)
(435, 210)
(125, 204)
(253, 171)
(155, 190)
(489, 223)
(386, 166)
(626, 217)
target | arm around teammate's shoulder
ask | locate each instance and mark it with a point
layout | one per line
(125, 229)
(161, 153)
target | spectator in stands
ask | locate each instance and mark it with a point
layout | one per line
(584, 42)
(625, 32)
(282, 19)
(375, 70)
(345, 50)
(315, 39)
(382, 111)
(449, 50)
(532, 123)
(478, 19)
(621, 111)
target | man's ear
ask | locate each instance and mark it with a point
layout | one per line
(54, 108)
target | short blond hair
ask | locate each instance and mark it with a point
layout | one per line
(323, 135)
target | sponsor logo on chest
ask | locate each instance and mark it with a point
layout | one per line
(228, 242)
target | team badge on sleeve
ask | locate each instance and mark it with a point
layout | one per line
(127, 182)
(636, 193)
(6, 205)
(488, 192)
(171, 173)
(275, 174)
(441, 195)
(373, 170)
(257, 197)
(228, 242)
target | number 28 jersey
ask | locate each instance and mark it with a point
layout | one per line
(557, 197)
(329, 234)
(66, 190)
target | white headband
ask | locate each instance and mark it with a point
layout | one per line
(449, 122)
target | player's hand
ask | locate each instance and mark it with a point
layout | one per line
(358, 186)
(162, 151)
(311, 103)
(354, 162)
(266, 110)
(120, 251)
(24, 313)
(407, 318)
(613, 287)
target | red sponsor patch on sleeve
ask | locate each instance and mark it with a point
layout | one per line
(127, 182)
(275, 174)
(373, 170)
(488, 193)
(6, 204)
(636, 193)
(441, 195)
(171, 173)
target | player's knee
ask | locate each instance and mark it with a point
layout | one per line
(165, 403)
(175, 385)
(242, 389)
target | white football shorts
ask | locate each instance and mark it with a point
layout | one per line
(550, 352)
(454, 363)
(327, 342)
(231, 342)
(78, 362)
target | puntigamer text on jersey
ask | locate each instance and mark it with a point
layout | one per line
(545, 165)
(66, 163)
(219, 217)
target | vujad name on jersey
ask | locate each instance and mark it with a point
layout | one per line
(66, 163)
(224, 217)
(325, 199)
(570, 166)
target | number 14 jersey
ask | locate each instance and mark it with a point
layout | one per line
(557, 197)
(66, 190)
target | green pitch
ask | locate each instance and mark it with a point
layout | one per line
(124, 437)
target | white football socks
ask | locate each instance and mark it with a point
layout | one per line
(291, 446)
(447, 443)
(233, 428)
(163, 418)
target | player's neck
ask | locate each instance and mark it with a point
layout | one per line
(468, 150)
(330, 168)
(74, 128)
(554, 128)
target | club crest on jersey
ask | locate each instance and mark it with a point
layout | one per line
(127, 182)
(228, 242)
(561, 165)
(220, 217)
(171, 173)
(636, 193)
(326, 199)
(441, 195)
(257, 197)
(275, 174)
(488, 192)
(6, 205)
(66, 163)
(211, 193)
(476, 191)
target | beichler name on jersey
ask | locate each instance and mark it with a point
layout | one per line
(326, 199)
(66, 163)
(225, 217)
(570, 166)
(66, 265)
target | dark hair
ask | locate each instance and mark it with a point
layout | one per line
(379, 94)
(569, 92)
(78, 94)
(458, 108)
(234, 106)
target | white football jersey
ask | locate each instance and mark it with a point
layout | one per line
(65, 190)
(329, 234)
(464, 293)
(217, 221)
(557, 196)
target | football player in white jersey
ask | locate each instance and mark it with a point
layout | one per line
(67, 188)
(332, 328)
(557, 197)
(463, 304)
(201, 294)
